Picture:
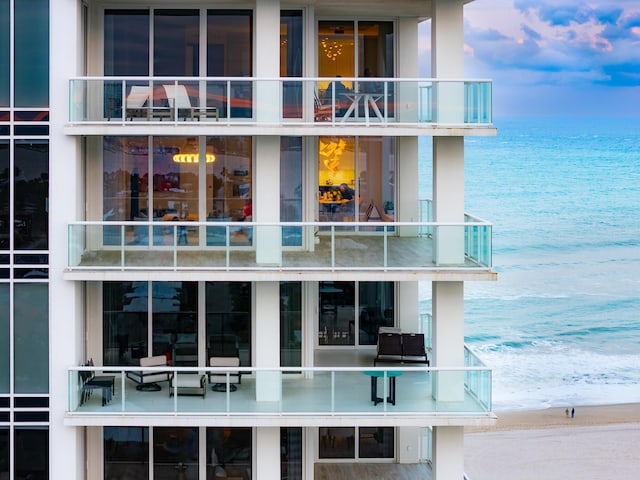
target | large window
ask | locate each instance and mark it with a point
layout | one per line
(178, 452)
(163, 318)
(5, 337)
(291, 324)
(31, 53)
(291, 188)
(126, 452)
(356, 179)
(148, 179)
(352, 312)
(354, 443)
(31, 337)
(176, 43)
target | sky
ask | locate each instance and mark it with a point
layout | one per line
(554, 57)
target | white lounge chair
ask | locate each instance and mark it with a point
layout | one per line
(136, 100)
(180, 103)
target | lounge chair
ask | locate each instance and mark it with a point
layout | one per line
(148, 380)
(401, 348)
(135, 103)
(180, 103)
(219, 379)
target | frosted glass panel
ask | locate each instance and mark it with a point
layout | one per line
(31, 332)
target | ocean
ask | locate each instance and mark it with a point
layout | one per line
(561, 326)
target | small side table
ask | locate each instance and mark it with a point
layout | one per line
(391, 375)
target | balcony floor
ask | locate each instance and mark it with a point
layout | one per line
(355, 253)
(349, 471)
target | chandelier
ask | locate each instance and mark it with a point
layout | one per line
(192, 158)
(332, 49)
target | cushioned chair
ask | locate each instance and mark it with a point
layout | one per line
(179, 100)
(219, 379)
(147, 380)
(136, 100)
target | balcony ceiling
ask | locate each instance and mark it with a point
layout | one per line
(405, 8)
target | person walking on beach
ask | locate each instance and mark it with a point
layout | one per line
(566, 412)
(573, 412)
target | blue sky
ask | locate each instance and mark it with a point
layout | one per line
(555, 57)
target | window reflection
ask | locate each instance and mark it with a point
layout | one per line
(175, 453)
(291, 188)
(126, 453)
(229, 452)
(176, 42)
(31, 197)
(4, 195)
(31, 453)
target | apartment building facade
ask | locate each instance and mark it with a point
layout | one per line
(189, 182)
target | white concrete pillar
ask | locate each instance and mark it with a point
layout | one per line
(407, 104)
(448, 453)
(407, 306)
(267, 341)
(448, 199)
(448, 340)
(268, 453)
(267, 44)
(407, 176)
(66, 204)
(266, 200)
(447, 59)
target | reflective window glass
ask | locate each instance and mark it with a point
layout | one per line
(5, 53)
(337, 442)
(31, 49)
(125, 187)
(291, 61)
(375, 304)
(229, 43)
(228, 452)
(337, 318)
(229, 188)
(175, 189)
(175, 321)
(291, 453)
(126, 452)
(228, 310)
(176, 43)
(376, 442)
(126, 42)
(4, 339)
(31, 197)
(290, 324)
(31, 337)
(175, 452)
(4, 452)
(5, 188)
(291, 189)
(125, 320)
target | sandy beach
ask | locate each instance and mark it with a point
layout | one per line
(599, 443)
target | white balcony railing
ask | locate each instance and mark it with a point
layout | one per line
(372, 246)
(261, 101)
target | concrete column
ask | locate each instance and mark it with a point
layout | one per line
(407, 104)
(447, 59)
(66, 204)
(448, 453)
(407, 176)
(266, 200)
(448, 199)
(268, 453)
(407, 313)
(448, 340)
(267, 344)
(267, 42)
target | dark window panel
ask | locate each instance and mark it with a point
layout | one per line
(31, 130)
(40, 273)
(5, 130)
(30, 259)
(29, 417)
(4, 417)
(4, 402)
(5, 55)
(31, 402)
(31, 453)
(31, 116)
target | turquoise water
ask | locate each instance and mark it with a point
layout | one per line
(562, 324)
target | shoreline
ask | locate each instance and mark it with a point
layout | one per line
(555, 417)
(599, 443)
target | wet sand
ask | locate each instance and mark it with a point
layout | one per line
(599, 443)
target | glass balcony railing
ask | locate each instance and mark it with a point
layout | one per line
(311, 392)
(243, 100)
(333, 246)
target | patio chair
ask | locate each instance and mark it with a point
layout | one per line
(180, 103)
(219, 379)
(147, 381)
(135, 103)
(389, 348)
(89, 382)
(413, 348)
(322, 113)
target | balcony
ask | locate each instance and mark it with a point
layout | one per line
(233, 105)
(310, 396)
(324, 250)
